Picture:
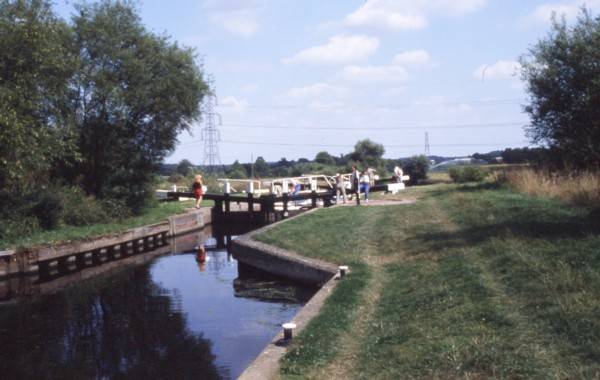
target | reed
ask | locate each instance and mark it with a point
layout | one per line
(582, 189)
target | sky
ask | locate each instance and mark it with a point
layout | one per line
(296, 77)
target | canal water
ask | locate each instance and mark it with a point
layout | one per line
(169, 318)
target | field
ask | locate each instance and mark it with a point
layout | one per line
(473, 281)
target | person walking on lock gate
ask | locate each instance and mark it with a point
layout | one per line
(371, 173)
(198, 189)
(355, 179)
(365, 184)
(340, 188)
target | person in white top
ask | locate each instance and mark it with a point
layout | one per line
(340, 188)
(398, 174)
(365, 184)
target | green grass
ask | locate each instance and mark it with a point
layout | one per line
(476, 282)
(70, 233)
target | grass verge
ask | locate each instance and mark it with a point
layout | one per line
(69, 233)
(478, 282)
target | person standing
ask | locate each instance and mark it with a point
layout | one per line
(355, 179)
(340, 188)
(371, 173)
(398, 174)
(365, 184)
(198, 189)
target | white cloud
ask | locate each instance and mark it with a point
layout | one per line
(316, 90)
(233, 104)
(407, 14)
(373, 74)
(249, 88)
(238, 17)
(569, 9)
(341, 49)
(414, 57)
(499, 70)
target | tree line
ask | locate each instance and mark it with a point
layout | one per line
(366, 153)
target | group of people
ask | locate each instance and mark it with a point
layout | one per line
(360, 182)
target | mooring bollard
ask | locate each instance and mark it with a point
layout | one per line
(343, 269)
(287, 330)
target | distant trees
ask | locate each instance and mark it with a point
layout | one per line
(325, 158)
(261, 168)
(237, 170)
(563, 82)
(185, 167)
(368, 153)
(525, 155)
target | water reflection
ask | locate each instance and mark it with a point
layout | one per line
(154, 317)
(124, 326)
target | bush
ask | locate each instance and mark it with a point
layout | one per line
(175, 178)
(19, 226)
(82, 210)
(416, 167)
(115, 208)
(467, 174)
(49, 208)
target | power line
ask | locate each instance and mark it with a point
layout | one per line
(478, 102)
(352, 145)
(379, 128)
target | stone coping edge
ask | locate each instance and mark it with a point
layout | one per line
(266, 365)
(299, 268)
(24, 261)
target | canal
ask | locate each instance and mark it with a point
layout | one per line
(170, 317)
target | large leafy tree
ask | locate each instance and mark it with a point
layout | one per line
(185, 167)
(325, 158)
(136, 92)
(563, 80)
(368, 153)
(36, 62)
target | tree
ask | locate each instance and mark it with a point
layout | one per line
(237, 170)
(36, 63)
(136, 92)
(368, 153)
(325, 158)
(261, 168)
(416, 167)
(185, 167)
(563, 82)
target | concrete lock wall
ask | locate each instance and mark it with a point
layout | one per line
(293, 266)
(26, 260)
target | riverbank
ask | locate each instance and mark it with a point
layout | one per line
(72, 233)
(470, 281)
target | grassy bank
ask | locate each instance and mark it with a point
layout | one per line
(470, 282)
(69, 233)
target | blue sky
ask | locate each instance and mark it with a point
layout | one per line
(295, 77)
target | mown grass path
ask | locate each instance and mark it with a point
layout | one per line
(470, 282)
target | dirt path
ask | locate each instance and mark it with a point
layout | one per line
(350, 344)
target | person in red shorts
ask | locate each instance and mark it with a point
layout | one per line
(197, 187)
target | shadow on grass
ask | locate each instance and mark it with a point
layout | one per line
(521, 226)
